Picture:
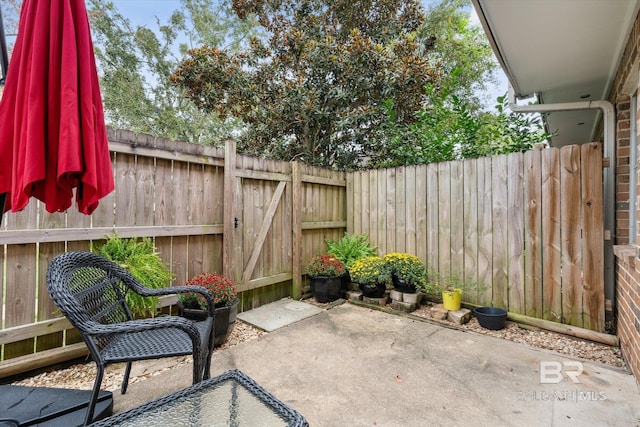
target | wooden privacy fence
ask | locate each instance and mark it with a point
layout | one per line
(528, 226)
(258, 221)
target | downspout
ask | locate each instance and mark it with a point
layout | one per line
(609, 174)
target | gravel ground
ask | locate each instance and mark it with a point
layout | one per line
(539, 338)
(81, 376)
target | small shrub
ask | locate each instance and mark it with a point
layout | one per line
(368, 270)
(325, 265)
(351, 248)
(220, 286)
(406, 267)
(142, 260)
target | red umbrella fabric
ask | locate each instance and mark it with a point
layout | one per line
(52, 132)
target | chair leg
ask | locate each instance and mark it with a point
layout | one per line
(197, 368)
(94, 394)
(207, 366)
(125, 380)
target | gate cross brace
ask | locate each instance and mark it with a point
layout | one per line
(262, 234)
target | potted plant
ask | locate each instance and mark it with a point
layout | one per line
(225, 297)
(326, 272)
(407, 271)
(142, 260)
(372, 275)
(349, 249)
(451, 287)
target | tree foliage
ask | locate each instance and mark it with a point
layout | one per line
(449, 128)
(135, 63)
(462, 47)
(314, 88)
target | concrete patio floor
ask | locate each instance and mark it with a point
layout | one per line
(354, 366)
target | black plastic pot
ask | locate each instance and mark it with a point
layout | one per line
(373, 290)
(326, 289)
(491, 317)
(223, 322)
(401, 285)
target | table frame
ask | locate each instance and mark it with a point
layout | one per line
(294, 418)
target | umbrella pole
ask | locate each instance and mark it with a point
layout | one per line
(4, 56)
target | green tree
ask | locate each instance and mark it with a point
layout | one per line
(460, 46)
(449, 128)
(315, 87)
(135, 64)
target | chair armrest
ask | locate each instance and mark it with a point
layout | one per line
(147, 292)
(94, 328)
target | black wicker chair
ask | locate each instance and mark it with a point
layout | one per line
(90, 291)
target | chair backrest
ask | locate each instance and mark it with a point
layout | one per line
(87, 287)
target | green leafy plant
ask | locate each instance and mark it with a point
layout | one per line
(369, 270)
(326, 265)
(406, 267)
(437, 282)
(220, 286)
(351, 248)
(142, 260)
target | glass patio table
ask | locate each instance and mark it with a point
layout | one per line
(230, 399)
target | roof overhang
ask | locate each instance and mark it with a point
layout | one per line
(562, 51)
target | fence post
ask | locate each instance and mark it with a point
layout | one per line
(229, 204)
(296, 230)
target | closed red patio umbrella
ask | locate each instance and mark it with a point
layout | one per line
(52, 132)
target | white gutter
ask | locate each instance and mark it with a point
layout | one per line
(609, 173)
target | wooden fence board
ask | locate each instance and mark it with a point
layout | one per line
(400, 212)
(411, 191)
(470, 226)
(533, 234)
(145, 190)
(432, 217)
(570, 224)
(515, 231)
(19, 306)
(592, 199)
(355, 188)
(381, 176)
(126, 194)
(372, 232)
(456, 196)
(500, 231)
(551, 245)
(485, 231)
(444, 218)
(390, 210)
(422, 248)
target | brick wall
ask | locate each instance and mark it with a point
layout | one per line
(627, 252)
(623, 139)
(628, 300)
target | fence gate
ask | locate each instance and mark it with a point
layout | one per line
(258, 224)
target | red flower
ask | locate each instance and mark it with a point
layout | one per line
(221, 287)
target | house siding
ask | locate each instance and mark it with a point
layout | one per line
(627, 252)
